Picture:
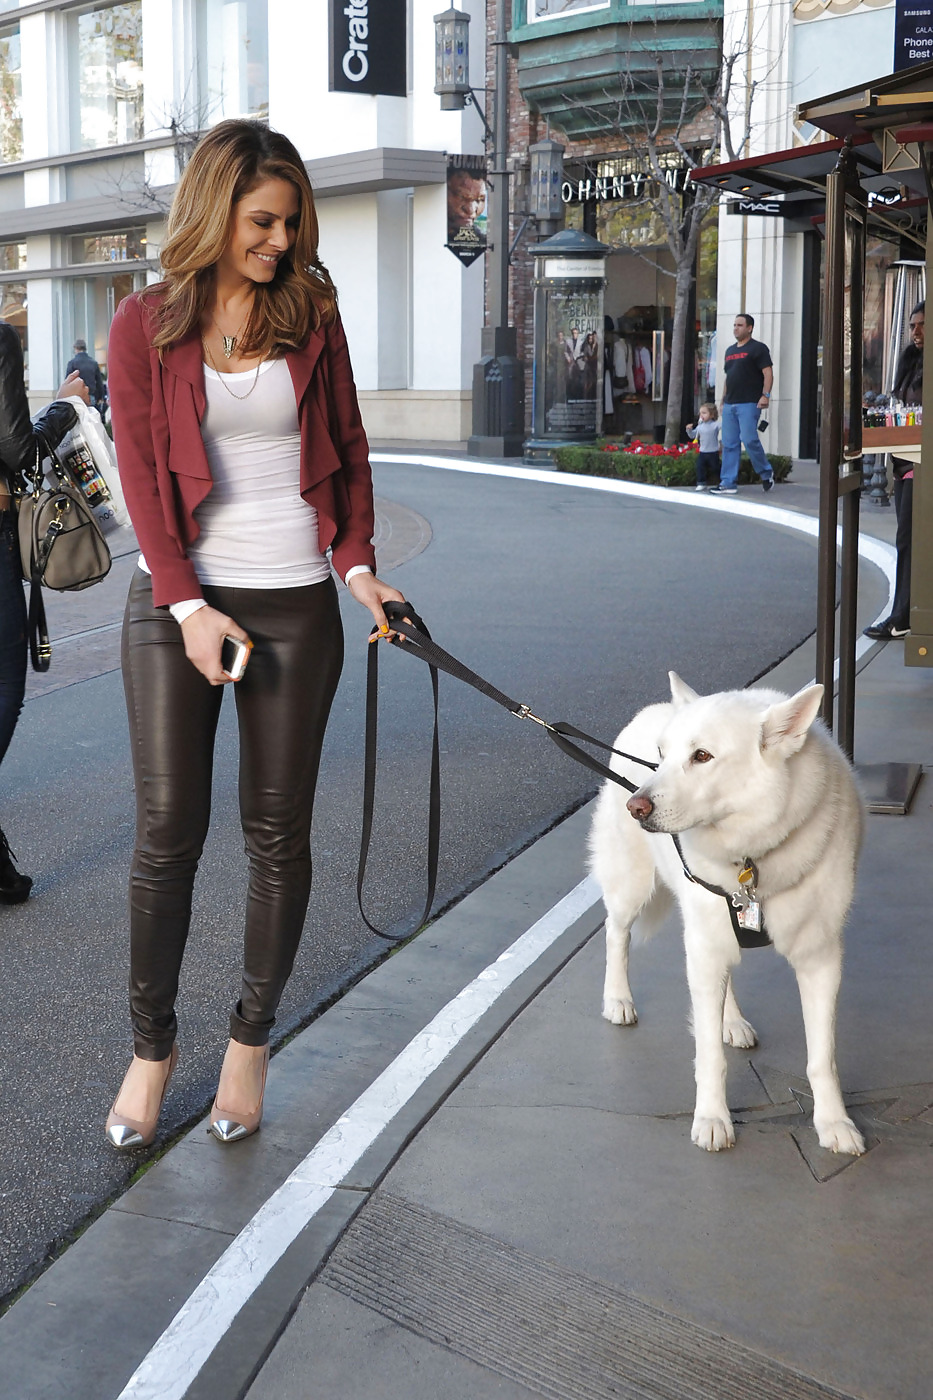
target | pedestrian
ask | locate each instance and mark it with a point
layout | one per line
(243, 460)
(89, 370)
(706, 435)
(749, 381)
(908, 388)
(17, 455)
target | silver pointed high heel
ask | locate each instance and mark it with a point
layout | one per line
(226, 1129)
(126, 1134)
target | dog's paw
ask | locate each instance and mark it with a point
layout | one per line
(740, 1033)
(841, 1136)
(713, 1134)
(620, 1011)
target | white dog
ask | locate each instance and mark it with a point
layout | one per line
(757, 789)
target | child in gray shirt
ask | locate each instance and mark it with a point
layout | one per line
(706, 435)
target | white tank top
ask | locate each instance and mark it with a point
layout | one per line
(256, 530)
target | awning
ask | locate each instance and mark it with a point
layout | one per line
(798, 173)
(796, 179)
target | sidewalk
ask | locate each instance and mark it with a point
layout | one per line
(509, 1205)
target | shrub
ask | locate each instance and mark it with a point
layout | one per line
(654, 465)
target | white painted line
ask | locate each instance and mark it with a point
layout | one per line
(874, 551)
(168, 1370)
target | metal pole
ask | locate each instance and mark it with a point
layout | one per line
(499, 377)
(851, 485)
(830, 437)
(498, 266)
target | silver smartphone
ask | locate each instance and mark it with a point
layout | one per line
(234, 655)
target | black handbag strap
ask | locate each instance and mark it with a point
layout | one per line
(406, 623)
(40, 648)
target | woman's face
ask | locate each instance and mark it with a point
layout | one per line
(265, 226)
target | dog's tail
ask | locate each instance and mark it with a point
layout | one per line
(654, 913)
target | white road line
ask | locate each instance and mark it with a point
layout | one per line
(185, 1346)
(170, 1367)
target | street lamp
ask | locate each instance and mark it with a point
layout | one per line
(546, 205)
(498, 377)
(452, 59)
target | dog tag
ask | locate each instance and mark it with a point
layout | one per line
(750, 916)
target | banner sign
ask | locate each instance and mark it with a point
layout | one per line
(368, 47)
(913, 33)
(466, 207)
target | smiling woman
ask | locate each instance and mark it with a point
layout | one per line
(243, 461)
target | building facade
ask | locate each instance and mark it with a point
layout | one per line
(99, 106)
(798, 50)
(621, 85)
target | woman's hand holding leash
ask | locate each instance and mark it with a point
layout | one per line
(373, 593)
(203, 634)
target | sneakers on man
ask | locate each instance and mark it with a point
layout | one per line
(701, 486)
(723, 491)
(14, 887)
(767, 483)
(886, 631)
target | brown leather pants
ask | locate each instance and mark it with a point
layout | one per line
(283, 702)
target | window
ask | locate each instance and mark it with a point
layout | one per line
(11, 92)
(12, 257)
(108, 247)
(13, 303)
(233, 48)
(107, 49)
(554, 9)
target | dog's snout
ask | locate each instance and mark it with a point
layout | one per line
(640, 806)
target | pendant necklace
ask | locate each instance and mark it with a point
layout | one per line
(228, 340)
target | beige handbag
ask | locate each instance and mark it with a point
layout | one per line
(61, 547)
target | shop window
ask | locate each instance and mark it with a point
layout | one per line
(125, 246)
(233, 49)
(11, 94)
(12, 257)
(13, 304)
(107, 56)
(89, 304)
(557, 9)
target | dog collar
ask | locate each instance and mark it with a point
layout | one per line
(745, 911)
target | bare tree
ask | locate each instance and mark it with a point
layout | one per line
(704, 113)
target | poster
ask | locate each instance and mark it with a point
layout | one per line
(466, 207)
(913, 33)
(575, 359)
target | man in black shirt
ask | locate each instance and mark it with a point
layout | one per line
(749, 380)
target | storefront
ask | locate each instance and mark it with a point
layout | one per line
(617, 202)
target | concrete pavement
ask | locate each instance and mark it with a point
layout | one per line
(469, 1184)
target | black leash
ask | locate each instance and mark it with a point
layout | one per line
(418, 642)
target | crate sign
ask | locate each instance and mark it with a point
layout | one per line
(368, 47)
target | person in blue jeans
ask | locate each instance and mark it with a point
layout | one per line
(17, 454)
(749, 378)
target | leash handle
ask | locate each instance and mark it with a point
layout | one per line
(396, 613)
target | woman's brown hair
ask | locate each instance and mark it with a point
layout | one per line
(227, 163)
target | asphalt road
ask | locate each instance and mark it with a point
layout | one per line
(574, 601)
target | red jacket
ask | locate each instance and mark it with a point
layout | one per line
(156, 409)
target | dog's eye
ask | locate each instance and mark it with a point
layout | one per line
(701, 756)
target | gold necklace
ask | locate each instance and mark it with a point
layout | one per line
(228, 340)
(210, 360)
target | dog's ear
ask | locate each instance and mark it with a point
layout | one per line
(785, 725)
(681, 694)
